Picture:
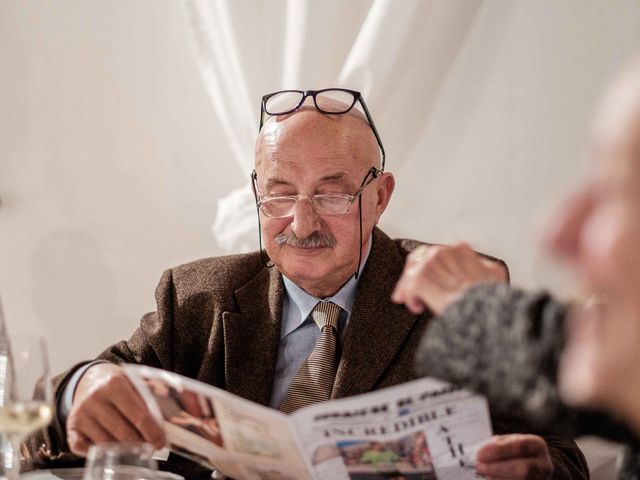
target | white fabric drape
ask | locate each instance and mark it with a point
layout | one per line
(397, 55)
(482, 105)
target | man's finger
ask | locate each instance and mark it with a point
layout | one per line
(78, 442)
(507, 447)
(118, 425)
(450, 258)
(434, 271)
(415, 306)
(470, 262)
(87, 429)
(132, 408)
(497, 270)
(419, 253)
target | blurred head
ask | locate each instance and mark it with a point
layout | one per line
(377, 446)
(307, 153)
(598, 232)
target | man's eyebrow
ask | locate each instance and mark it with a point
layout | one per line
(273, 181)
(333, 177)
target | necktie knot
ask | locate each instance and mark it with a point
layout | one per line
(326, 314)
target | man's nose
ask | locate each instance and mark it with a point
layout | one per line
(563, 233)
(305, 219)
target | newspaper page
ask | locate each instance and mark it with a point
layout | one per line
(422, 430)
(220, 430)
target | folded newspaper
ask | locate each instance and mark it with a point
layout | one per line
(425, 429)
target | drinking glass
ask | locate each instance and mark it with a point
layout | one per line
(26, 398)
(120, 461)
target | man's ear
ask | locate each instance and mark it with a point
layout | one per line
(386, 184)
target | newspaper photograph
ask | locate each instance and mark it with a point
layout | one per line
(422, 430)
(220, 430)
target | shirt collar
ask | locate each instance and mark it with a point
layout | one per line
(305, 302)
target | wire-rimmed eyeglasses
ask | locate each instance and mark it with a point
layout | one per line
(332, 101)
(283, 206)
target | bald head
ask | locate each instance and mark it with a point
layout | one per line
(323, 135)
(617, 123)
(321, 160)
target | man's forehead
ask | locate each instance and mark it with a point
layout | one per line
(303, 178)
(313, 136)
(309, 139)
(618, 117)
(308, 126)
(284, 175)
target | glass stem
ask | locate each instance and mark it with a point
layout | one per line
(9, 457)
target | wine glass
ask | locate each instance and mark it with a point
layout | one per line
(26, 397)
(120, 461)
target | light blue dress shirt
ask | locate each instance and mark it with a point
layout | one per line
(299, 333)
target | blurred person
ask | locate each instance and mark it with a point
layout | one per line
(420, 455)
(383, 459)
(250, 323)
(574, 367)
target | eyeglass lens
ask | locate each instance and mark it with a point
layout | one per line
(322, 204)
(328, 101)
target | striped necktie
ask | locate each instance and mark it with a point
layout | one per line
(314, 380)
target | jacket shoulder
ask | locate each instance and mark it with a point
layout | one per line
(407, 245)
(222, 274)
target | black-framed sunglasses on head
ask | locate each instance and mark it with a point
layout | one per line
(332, 101)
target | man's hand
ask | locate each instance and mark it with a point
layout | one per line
(436, 276)
(106, 408)
(516, 456)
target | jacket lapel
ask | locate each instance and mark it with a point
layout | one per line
(252, 335)
(377, 327)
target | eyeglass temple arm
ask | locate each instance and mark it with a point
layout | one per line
(261, 122)
(373, 173)
(263, 255)
(375, 130)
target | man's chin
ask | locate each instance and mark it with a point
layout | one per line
(580, 382)
(577, 382)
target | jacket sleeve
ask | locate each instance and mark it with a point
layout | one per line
(502, 342)
(506, 343)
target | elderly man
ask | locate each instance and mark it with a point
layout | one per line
(250, 323)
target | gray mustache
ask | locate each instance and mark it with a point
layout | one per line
(315, 240)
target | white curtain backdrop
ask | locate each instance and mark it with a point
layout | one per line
(482, 105)
(397, 54)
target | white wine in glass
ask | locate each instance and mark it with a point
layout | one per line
(26, 401)
(23, 418)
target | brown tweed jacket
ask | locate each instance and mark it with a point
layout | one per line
(218, 321)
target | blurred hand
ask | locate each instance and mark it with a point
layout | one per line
(436, 276)
(516, 456)
(106, 408)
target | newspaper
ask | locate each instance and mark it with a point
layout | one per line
(425, 429)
